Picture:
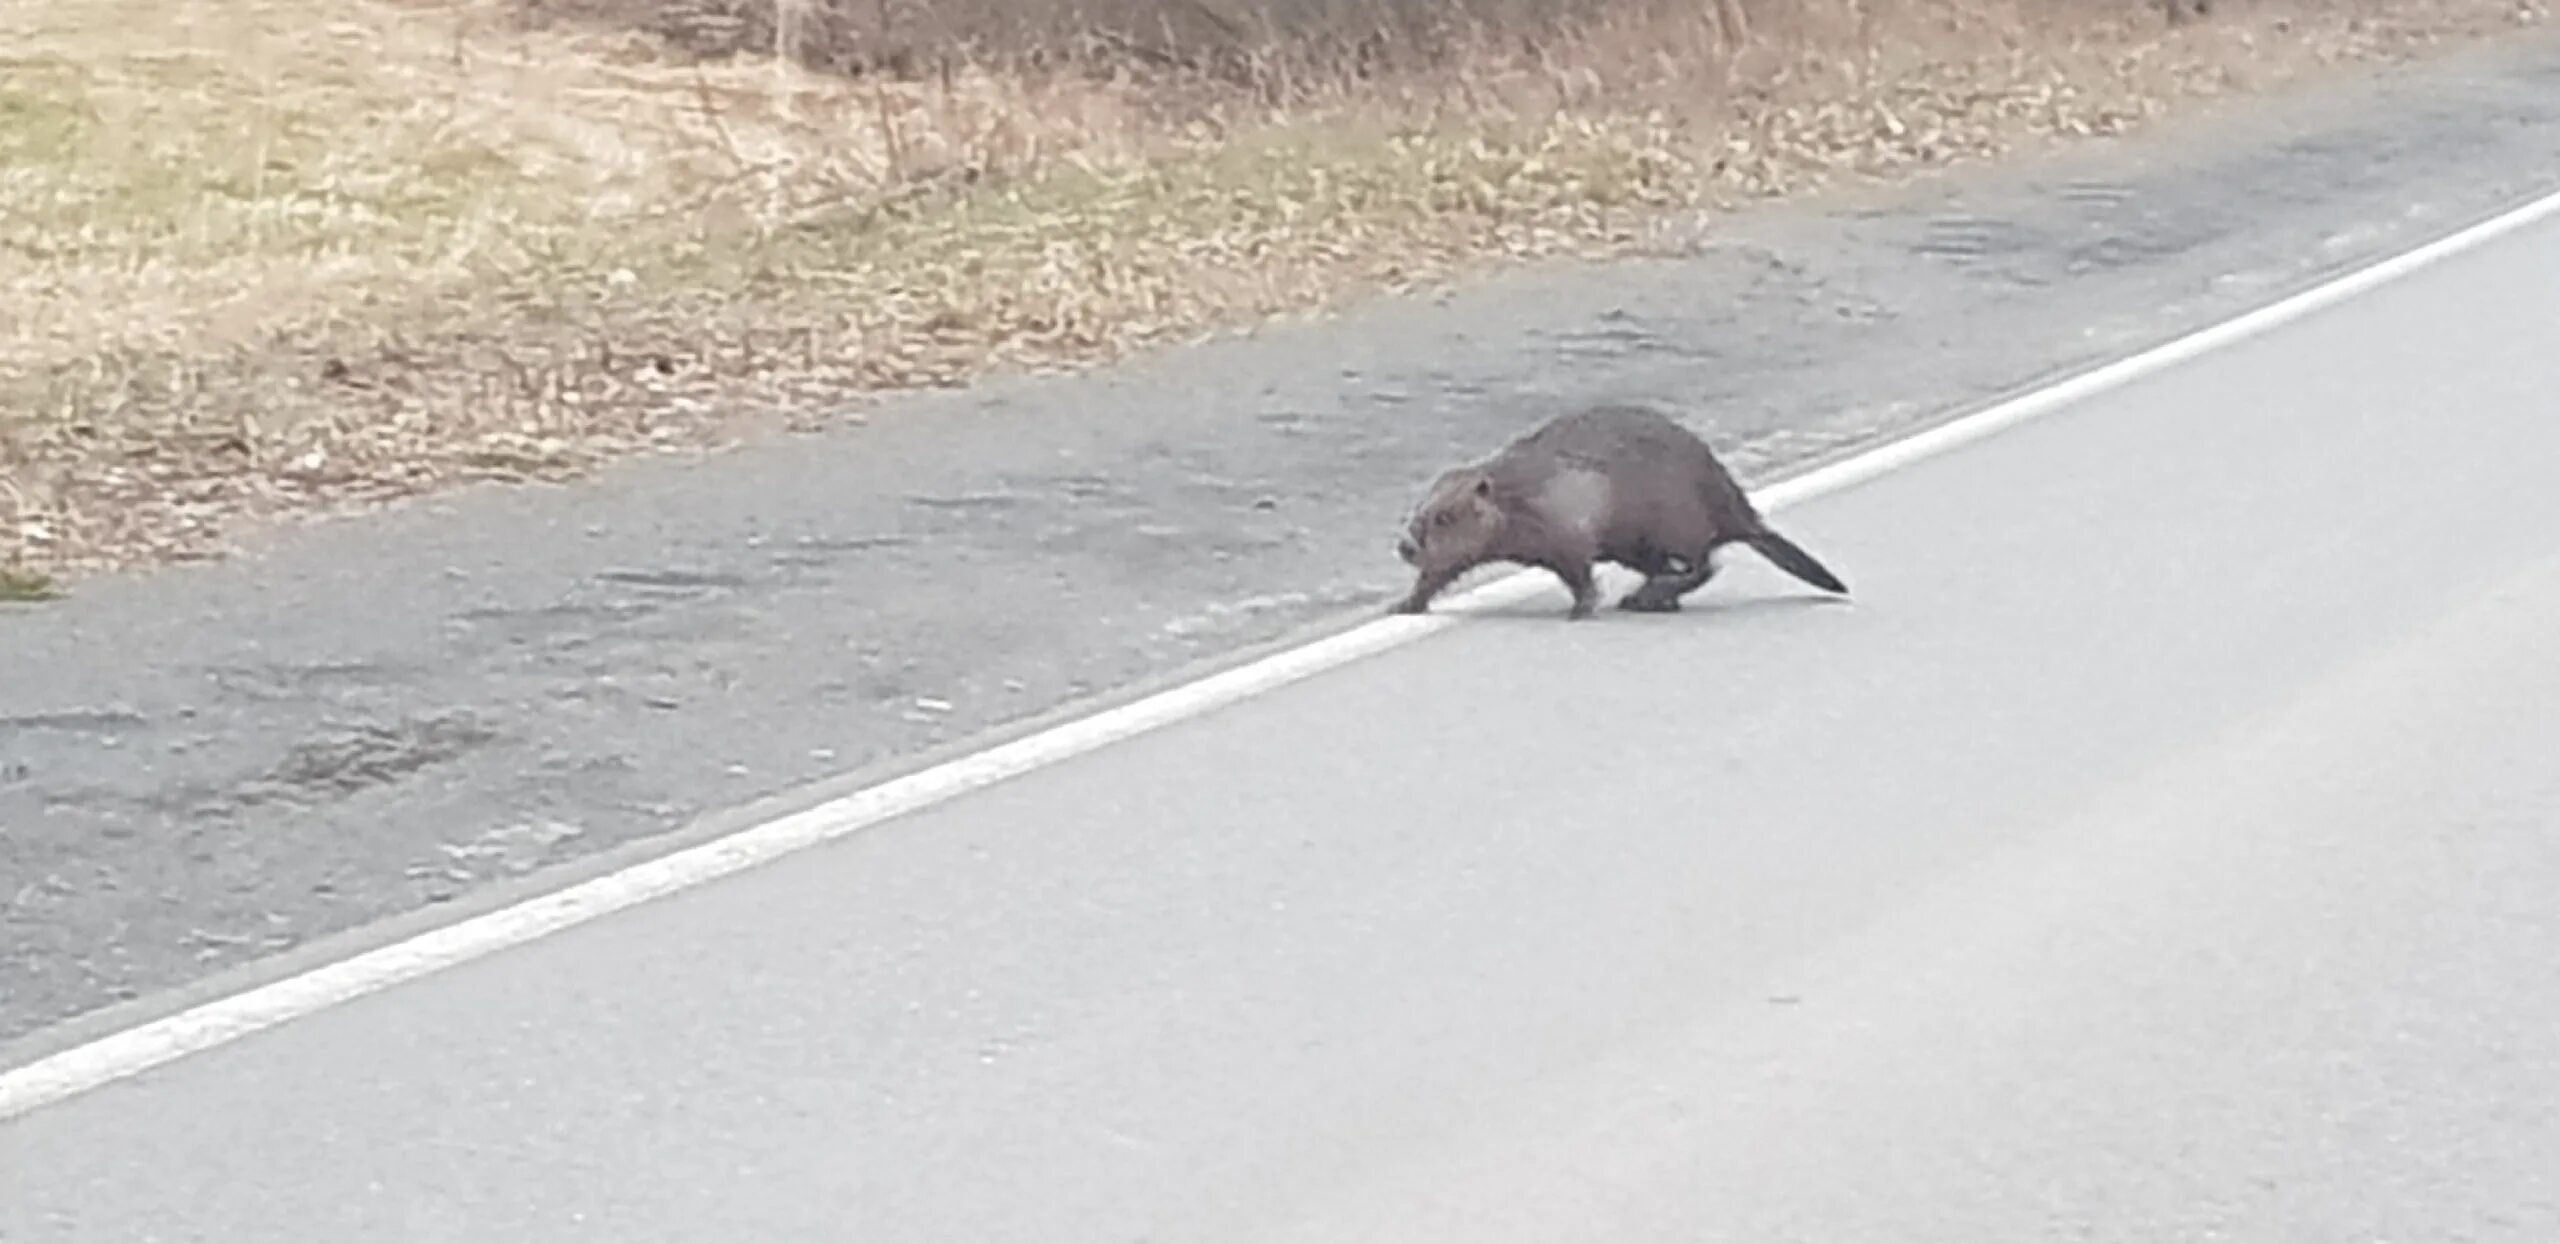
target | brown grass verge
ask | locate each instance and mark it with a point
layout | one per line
(289, 256)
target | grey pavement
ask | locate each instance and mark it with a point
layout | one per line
(206, 768)
(2158, 848)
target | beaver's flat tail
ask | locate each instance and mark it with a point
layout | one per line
(1783, 552)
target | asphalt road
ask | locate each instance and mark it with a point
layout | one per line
(409, 712)
(2159, 849)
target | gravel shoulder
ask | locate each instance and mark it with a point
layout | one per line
(212, 764)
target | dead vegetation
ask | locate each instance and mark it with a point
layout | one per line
(285, 255)
(22, 586)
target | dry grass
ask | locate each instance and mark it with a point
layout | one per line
(294, 254)
(22, 586)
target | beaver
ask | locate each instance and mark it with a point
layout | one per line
(1615, 483)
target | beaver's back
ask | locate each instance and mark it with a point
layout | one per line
(1651, 463)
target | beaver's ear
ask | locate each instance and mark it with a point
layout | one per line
(1484, 485)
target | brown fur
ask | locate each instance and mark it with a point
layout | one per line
(1613, 483)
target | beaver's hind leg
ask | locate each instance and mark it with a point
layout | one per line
(1662, 589)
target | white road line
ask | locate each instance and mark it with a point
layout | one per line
(215, 1023)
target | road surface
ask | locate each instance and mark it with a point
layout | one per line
(2161, 848)
(396, 714)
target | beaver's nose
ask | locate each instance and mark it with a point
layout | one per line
(1405, 549)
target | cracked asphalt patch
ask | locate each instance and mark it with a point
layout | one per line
(205, 765)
